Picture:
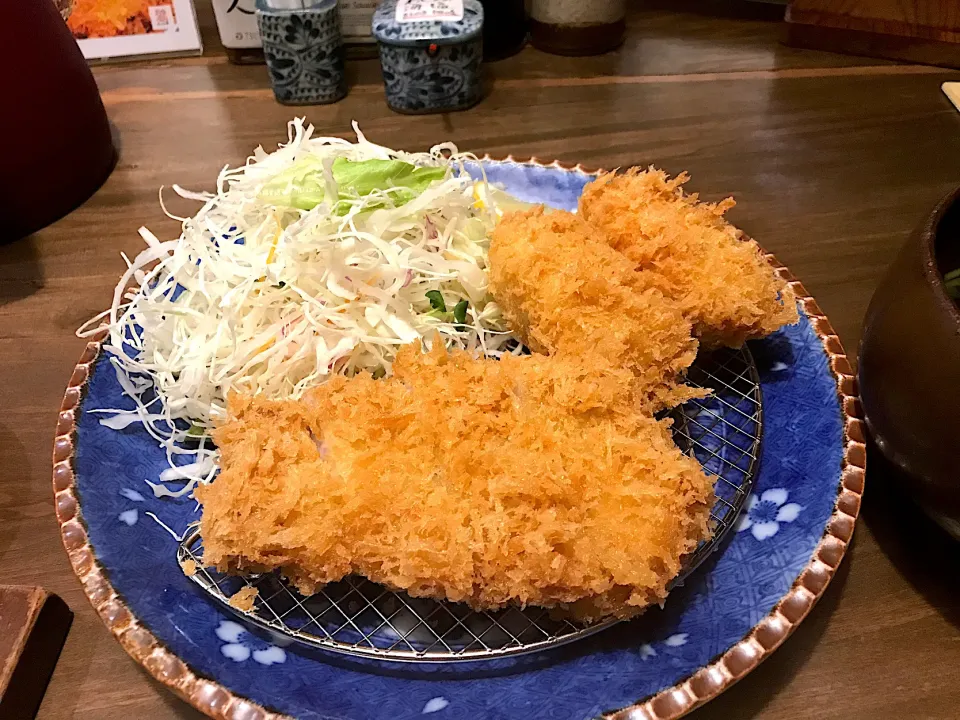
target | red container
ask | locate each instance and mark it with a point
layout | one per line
(58, 147)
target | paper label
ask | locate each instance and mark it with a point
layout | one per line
(237, 23)
(429, 10)
(161, 17)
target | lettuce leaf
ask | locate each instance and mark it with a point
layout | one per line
(302, 185)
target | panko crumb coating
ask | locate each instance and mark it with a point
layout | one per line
(529, 480)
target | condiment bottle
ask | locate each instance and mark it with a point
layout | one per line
(237, 25)
(577, 27)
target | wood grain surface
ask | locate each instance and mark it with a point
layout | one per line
(832, 159)
(925, 31)
(934, 19)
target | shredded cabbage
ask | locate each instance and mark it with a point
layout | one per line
(312, 260)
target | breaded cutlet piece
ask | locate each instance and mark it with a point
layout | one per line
(566, 292)
(694, 256)
(530, 480)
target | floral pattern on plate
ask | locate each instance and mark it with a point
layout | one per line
(763, 515)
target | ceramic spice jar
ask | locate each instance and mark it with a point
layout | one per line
(430, 52)
(577, 27)
(303, 50)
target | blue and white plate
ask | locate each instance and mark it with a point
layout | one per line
(736, 609)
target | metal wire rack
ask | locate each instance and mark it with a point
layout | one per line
(360, 618)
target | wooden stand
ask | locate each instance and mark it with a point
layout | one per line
(919, 31)
(33, 628)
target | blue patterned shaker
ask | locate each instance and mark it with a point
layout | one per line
(303, 50)
(430, 53)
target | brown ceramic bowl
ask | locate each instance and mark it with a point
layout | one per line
(910, 365)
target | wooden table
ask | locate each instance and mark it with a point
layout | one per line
(833, 160)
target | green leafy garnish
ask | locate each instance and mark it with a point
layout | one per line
(196, 431)
(302, 186)
(436, 300)
(460, 312)
(362, 178)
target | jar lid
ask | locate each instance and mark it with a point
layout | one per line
(416, 23)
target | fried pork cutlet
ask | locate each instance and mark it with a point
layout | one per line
(566, 292)
(529, 480)
(695, 257)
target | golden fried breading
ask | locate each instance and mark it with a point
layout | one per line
(721, 281)
(566, 292)
(529, 480)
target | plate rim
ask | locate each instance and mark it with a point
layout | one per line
(215, 700)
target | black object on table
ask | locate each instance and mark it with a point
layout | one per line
(504, 28)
